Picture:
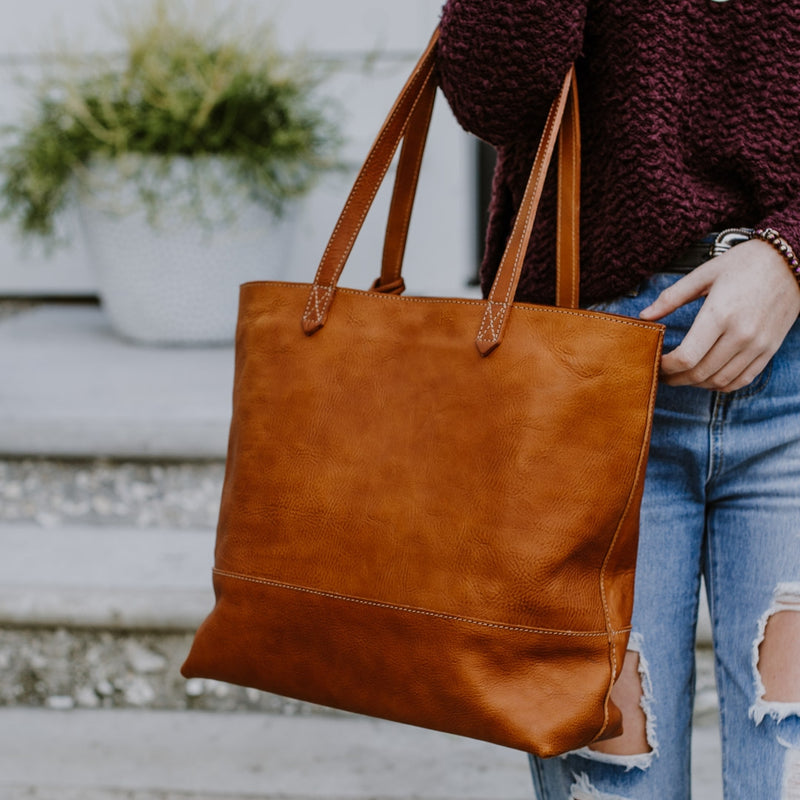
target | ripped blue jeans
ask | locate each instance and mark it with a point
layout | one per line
(722, 499)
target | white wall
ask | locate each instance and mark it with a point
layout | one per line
(441, 252)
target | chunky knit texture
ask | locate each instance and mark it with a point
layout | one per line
(690, 111)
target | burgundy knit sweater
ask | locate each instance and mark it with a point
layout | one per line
(690, 113)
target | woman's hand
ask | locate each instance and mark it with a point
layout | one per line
(752, 300)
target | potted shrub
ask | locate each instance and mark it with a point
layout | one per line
(185, 157)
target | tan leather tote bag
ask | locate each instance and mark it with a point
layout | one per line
(430, 508)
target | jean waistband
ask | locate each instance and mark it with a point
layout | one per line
(711, 245)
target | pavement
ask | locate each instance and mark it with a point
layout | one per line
(74, 389)
(137, 755)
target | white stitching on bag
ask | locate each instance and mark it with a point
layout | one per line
(408, 609)
(518, 307)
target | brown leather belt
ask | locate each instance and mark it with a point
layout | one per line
(713, 244)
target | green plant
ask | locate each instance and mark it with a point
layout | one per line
(184, 88)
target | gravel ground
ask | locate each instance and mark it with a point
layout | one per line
(53, 493)
(62, 669)
(87, 669)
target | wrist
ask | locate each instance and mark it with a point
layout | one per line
(783, 248)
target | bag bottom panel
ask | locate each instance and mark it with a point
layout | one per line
(529, 690)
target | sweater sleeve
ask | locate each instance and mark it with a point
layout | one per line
(501, 62)
(787, 223)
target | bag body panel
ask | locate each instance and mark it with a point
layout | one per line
(535, 555)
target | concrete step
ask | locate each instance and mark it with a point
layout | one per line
(74, 389)
(136, 755)
(112, 578)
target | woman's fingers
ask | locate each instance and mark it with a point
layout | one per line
(747, 375)
(752, 299)
(701, 354)
(718, 370)
(683, 291)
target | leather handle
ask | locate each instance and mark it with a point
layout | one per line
(569, 205)
(501, 296)
(419, 89)
(568, 211)
(409, 121)
(405, 190)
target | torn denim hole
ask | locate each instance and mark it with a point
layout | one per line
(638, 760)
(785, 598)
(791, 775)
(582, 789)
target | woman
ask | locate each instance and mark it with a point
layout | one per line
(690, 112)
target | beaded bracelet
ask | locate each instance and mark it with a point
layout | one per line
(772, 237)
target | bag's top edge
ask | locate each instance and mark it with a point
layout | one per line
(467, 301)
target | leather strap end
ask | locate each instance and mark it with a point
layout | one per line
(310, 327)
(493, 324)
(317, 307)
(485, 348)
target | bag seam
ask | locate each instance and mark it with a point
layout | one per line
(466, 302)
(410, 609)
(637, 477)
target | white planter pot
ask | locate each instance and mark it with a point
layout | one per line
(173, 277)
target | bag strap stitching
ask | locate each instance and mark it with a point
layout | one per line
(488, 321)
(342, 259)
(314, 298)
(576, 227)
